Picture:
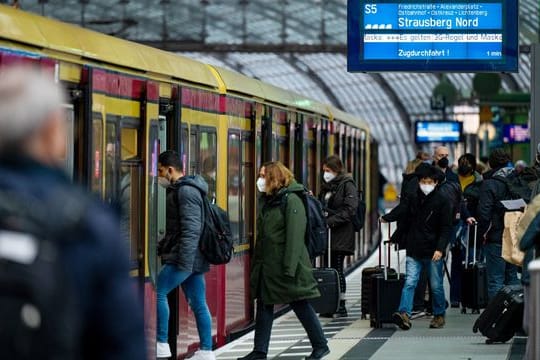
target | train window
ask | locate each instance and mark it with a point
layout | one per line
(247, 186)
(112, 161)
(153, 199)
(208, 159)
(96, 154)
(184, 146)
(233, 182)
(70, 140)
(311, 158)
(130, 188)
(193, 165)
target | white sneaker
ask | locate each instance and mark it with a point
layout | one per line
(163, 350)
(203, 355)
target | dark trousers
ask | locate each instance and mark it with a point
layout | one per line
(456, 268)
(304, 312)
(336, 261)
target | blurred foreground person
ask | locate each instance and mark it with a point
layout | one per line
(60, 249)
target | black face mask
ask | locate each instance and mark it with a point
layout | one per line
(443, 163)
(464, 170)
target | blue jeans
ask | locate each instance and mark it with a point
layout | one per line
(499, 272)
(194, 289)
(435, 273)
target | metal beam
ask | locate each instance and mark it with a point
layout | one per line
(186, 46)
(401, 109)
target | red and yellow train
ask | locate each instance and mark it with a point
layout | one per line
(129, 102)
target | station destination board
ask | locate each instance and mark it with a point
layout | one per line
(425, 36)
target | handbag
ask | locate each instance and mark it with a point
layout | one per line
(510, 242)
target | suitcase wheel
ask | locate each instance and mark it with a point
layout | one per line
(489, 341)
(363, 317)
(463, 310)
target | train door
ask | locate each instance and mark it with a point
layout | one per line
(280, 136)
(115, 158)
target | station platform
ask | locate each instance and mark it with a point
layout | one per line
(352, 338)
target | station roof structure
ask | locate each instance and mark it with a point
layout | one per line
(299, 45)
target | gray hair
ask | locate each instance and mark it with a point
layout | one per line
(28, 97)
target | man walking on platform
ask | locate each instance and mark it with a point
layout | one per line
(429, 219)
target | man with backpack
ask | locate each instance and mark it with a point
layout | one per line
(58, 246)
(184, 264)
(490, 217)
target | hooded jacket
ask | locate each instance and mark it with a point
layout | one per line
(340, 200)
(490, 214)
(185, 219)
(281, 271)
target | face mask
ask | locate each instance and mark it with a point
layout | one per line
(164, 182)
(212, 175)
(261, 184)
(427, 188)
(328, 176)
(443, 163)
(464, 170)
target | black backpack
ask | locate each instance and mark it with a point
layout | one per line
(38, 307)
(360, 215)
(216, 241)
(316, 237)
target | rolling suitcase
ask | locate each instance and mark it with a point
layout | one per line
(474, 294)
(503, 316)
(367, 273)
(328, 284)
(385, 291)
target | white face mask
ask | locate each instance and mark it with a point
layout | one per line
(261, 184)
(164, 182)
(427, 188)
(328, 176)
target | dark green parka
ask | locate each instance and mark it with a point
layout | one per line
(281, 271)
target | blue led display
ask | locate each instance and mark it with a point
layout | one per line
(438, 131)
(423, 36)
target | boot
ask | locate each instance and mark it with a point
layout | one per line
(342, 311)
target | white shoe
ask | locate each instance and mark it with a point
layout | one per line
(163, 350)
(203, 355)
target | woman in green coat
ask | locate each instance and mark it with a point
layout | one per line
(281, 272)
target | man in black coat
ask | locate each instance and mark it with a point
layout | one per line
(490, 218)
(429, 219)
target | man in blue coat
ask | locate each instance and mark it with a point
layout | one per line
(184, 264)
(106, 319)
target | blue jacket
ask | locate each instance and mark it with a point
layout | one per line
(185, 219)
(96, 263)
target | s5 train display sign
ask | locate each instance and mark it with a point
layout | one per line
(426, 36)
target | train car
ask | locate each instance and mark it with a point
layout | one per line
(129, 102)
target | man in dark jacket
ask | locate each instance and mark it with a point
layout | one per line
(91, 254)
(490, 218)
(184, 264)
(427, 236)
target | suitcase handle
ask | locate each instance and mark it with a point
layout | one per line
(398, 260)
(475, 226)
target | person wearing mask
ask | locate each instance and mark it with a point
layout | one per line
(441, 160)
(105, 321)
(490, 216)
(470, 182)
(281, 271)
(184, 264)
(429, 217)
(339, 196)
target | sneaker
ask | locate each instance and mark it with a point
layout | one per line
(402, 320)
(437, 322)
(203, 355)
(163, 350)
(318, 354)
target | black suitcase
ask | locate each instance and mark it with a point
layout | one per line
(367, 273)
(503, 316)
(328, 283)
(474, 294)
(385, 294)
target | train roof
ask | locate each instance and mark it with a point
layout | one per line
(340, 115)
(76, 44)
(26, 28)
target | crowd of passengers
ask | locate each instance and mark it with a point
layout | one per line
(438, 204)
